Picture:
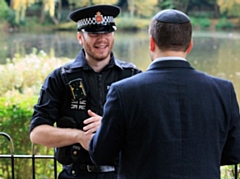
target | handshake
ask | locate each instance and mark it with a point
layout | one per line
(65, 155)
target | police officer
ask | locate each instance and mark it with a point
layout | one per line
(73, 95)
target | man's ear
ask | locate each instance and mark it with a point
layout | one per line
(190, 47)
(152, 44)
(79, 37)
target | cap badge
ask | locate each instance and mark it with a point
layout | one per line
(98, 17)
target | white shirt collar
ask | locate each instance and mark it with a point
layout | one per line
(167, 58)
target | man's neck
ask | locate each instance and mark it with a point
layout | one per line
(96, 65)
(171, 54)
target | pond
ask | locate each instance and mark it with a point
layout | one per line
(216, 53)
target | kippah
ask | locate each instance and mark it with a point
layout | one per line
(172, 16)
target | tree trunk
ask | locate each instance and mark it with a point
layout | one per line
(42, 16)
(181, 5)
(59, 13)
(216, 11)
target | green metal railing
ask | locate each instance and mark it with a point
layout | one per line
(31, 157)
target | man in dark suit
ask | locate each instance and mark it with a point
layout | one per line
(172, 121)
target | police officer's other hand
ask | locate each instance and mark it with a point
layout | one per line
(92, 123)
(86, 141)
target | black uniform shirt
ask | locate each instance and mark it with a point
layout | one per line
(67, 93)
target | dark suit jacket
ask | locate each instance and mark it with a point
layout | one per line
(170, 122)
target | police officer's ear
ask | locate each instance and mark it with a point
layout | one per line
(79, 37)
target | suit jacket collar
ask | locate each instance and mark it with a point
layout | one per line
(169, 64)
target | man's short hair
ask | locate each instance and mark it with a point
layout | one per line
(171, 32)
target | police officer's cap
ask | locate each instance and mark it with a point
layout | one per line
(172, 16)
(96, 18)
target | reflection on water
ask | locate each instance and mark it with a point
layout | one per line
(216, 53)
(58, 44)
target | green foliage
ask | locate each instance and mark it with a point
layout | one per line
(201, 22)
(104, 1)
(142, 8)
(77, 4)
(227, 172)
(20, 82)
(165, 4)
(123, 22)
(26, 75)
(126, 23)
(223, 23)
(33, 18)
(231, 8)
(15, 113)
(181, 5)
(11, 18)
(3, 10)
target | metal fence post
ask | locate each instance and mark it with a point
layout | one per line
(11, 150)
(33, 162)
(236, 171)
(55, 168)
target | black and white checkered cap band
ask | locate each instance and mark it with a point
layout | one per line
(92, 21)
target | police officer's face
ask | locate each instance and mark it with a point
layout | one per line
(97, 46)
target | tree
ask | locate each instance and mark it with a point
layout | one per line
(200, 8)
(20, 6)
(49, 7)
(3, 10)
(74, 4)
(229, 7)
(54, 7)
(141, 8)
(181, 5)
(77, 4)
(104, 1)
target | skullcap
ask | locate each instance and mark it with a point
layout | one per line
(171, 16)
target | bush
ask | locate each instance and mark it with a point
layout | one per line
(26, 75)
(16, 110)
(20, 82)
(223, 23)
(201, 22)
(126, 23)
(3, 10)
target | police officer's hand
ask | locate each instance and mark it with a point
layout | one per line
(92, 123)
(85, 142)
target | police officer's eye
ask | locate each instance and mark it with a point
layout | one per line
(98, 34)
(93, 34)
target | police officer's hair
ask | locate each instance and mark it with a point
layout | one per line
(171, 36)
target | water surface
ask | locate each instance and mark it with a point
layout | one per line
(216, 53)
